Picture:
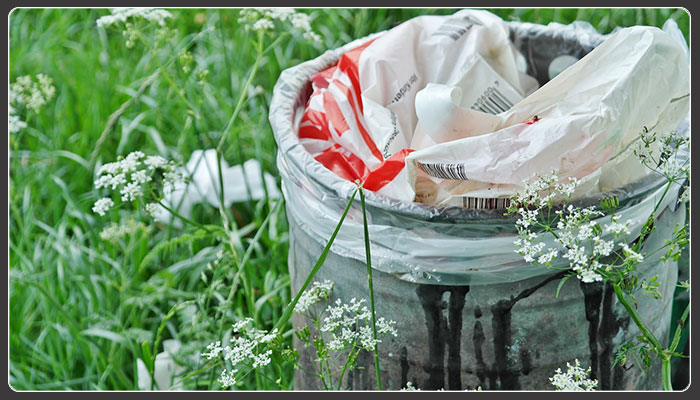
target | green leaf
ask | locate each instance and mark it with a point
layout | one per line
(147, 356)
(104, 333)
(562, 282)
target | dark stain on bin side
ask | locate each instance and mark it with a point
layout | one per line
(442, 333)
(502, 336)
(481, 369)
(592, 298)
(601, 331)
(404, 366)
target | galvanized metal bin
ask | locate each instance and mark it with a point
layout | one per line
(469, 311)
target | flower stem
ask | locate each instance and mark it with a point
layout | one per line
(345, 366)
(182, 217)
(638, 245)
(168, 78)
(371, 289)
(679, 329)
(321, 259)
(637, 319)
(666, 372)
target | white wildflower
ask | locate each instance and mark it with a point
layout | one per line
(312, 37)
(588, 274)
(528, 217)
(121, 15)
(242, 324)
(602, 247)
(262, 359)
(102, 205)
(131, 191)
(114, 232)
(214, 350)
(140, 176)
(15, 123)
(616, 227)
(117, 180)
(349, 324)
(263, 20)
(576, 255)
(673, 169)
(685, 196)
(103, 181)
(300, 21)
(317, 292)
(567, 189)
(109, 168)
(281, 14)
(155, 162)
(574, 379)
(547, 257)
(131, 162)
(631, 254)
(263, 25)
(409, 387)
(172, 177)
(152, 209)
(228, 378)
(585, 231)
(32, 93)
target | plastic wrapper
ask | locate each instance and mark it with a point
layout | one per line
(241, 183)
(416, 241)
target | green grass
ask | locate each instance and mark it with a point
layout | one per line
(81, 307)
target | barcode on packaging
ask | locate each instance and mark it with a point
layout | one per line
(481, 203)
(453, 171)
(492, 101)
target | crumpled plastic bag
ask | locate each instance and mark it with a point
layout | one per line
(204, 185)
(441, 110)
(167, 372)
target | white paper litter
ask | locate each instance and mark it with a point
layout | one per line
(204, 185)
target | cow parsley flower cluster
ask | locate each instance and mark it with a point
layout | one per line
(123, 15)
(317, 292)
(575, 229)
(250, 348)
(659, 152)
(131, 176)
(14, 122)
(262, 20)
(31, 93)
(115, 232)
(574, 379)
(131, 17)
(350, 325)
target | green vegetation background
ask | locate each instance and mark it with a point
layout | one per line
(81, 307)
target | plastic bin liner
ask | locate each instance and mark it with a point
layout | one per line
(421, 242)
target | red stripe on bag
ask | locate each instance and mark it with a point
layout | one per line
(349, 63)
(323, 78)
(312, 132)
(387, 171)
(334, 115)
(365, 135)
(317, 118)
(347, 167)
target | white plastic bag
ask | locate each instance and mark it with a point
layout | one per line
(441, 110)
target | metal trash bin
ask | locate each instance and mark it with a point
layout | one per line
(469, 311)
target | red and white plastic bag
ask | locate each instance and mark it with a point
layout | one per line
(440, 110)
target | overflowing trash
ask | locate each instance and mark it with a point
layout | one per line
(449, 111)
